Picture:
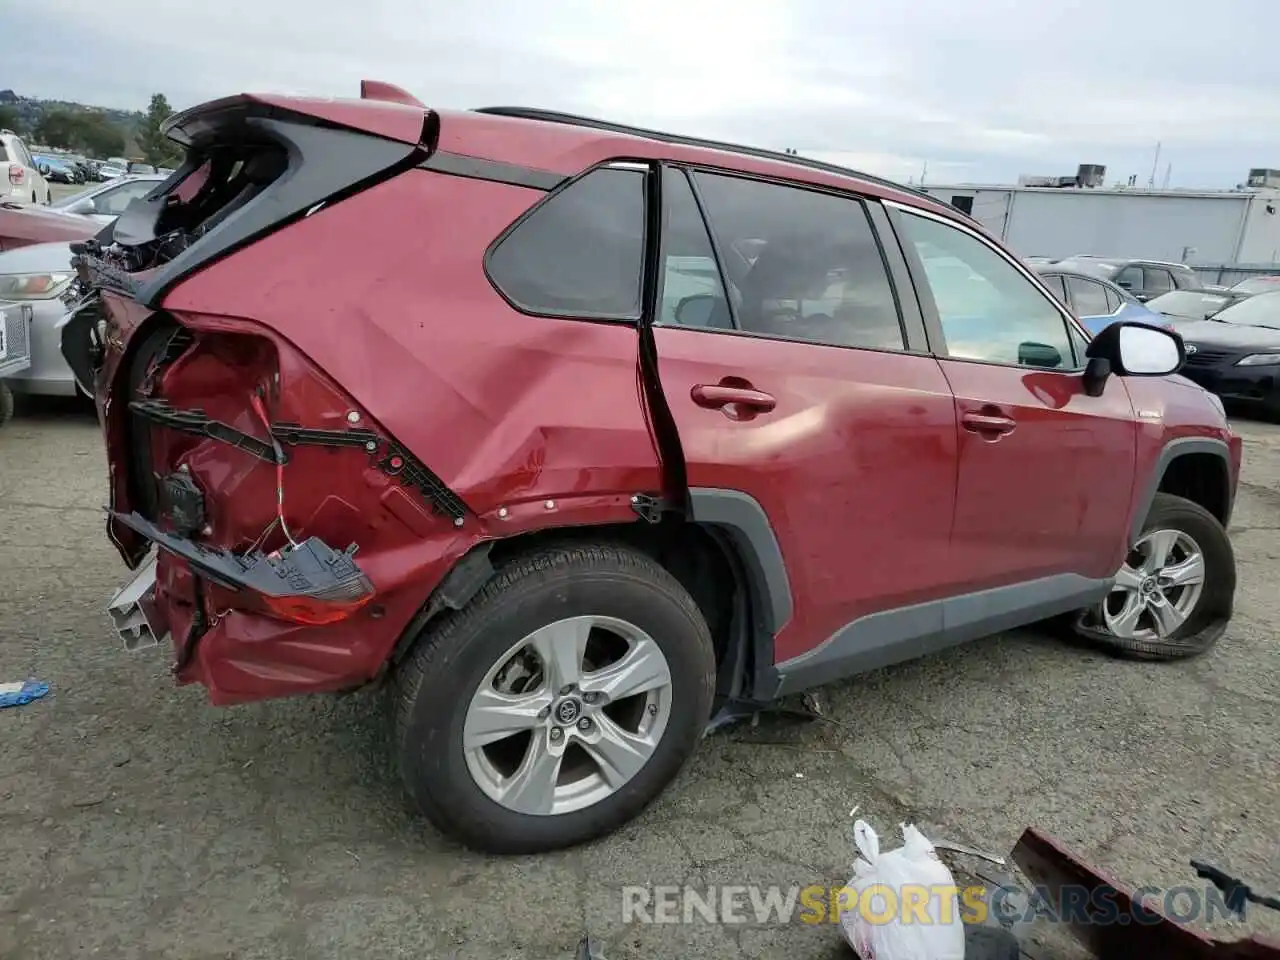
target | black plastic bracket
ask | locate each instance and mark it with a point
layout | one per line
(648, 507)
(199, 423)
(295, 434)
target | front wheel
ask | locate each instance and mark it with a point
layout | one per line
(1174, 593)
(556, 705)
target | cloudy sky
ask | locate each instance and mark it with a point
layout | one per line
(981, 90)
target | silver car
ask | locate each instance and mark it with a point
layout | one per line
(106, 201)
(37, 276)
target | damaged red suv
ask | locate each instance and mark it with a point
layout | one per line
(584, 437)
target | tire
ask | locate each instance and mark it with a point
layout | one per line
(6, 404)
(33, 197)
(433, 688)
(48, 196)
(1203, 616)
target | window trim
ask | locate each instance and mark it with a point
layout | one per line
(910, 322)
(933, 322)
(644, 170)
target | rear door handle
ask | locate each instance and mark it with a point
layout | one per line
(988, 423)
(717, 397)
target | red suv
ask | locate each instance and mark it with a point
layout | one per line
(582, 436)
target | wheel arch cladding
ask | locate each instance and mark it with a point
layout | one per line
(1195, 468)
(747, 525)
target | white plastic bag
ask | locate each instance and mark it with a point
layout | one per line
(876, 924)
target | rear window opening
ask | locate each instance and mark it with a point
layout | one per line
(224, 180)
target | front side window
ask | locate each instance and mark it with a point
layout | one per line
(1057, 286)
(581, 252)
(988, 309)
(1156, 280)
(1088, 298)
(801, 264)
(1130, 278)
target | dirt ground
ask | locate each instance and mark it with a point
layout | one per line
(136, 821)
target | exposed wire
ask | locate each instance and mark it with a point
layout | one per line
(256, 401)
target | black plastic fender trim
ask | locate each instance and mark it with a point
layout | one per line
(1171, 452)
(742, 518)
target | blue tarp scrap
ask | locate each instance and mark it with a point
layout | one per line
(21, 693)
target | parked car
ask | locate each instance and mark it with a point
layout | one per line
(1257, 285)
(23, 225)
(1236, 353)
(1180, 306)
(140, 167)
(104, 202)
(55, 169)
(1142, 278)
(38, 276)
(25, 183)
(463, 455)
(1095, 301)
(109, 171)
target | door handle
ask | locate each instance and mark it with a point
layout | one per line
(988, 423)
(717, 397)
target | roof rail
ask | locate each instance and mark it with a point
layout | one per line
(552, 116)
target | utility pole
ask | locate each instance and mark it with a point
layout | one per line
(1154, 164)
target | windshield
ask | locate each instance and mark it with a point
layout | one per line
(1260, 311)
(1257, 285)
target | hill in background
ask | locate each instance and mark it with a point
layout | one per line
(66, 125)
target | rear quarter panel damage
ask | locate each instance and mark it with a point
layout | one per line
(533, 422)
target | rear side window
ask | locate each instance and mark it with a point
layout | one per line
(1088, 298)
(801, 265)
(580, 253)
(1113, 300)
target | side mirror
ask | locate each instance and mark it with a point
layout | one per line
(1132, 350)
(696, 311)
(83, 207)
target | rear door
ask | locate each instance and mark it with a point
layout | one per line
(801, 388)
(1046, 471)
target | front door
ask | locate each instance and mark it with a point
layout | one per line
(783, 356)
(1046, 472)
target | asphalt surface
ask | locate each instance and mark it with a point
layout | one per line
(137, 821)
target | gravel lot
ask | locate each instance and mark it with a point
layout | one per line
(136, 821)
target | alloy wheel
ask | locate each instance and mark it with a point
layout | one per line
(568, 715)
(1157, 588)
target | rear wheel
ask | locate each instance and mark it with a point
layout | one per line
(558, 704)
(1173, 586)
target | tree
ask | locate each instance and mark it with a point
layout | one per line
(155, 146)
(10, 119)
(99, 137)
(56, 129)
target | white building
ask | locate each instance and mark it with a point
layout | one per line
(1187, 226)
